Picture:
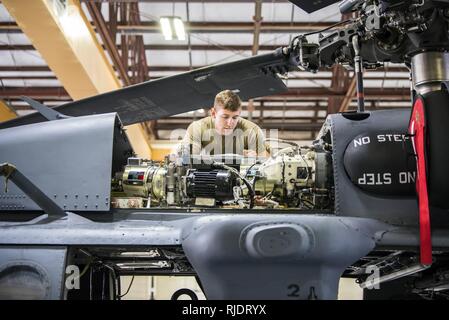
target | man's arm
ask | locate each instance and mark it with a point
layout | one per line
(256, 144)
(192, 138)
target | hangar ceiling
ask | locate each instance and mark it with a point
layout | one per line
(218, 31)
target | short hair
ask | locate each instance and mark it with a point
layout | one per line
(228, 100)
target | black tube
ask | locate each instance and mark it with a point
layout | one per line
(360, 92)
(245, 181)
(358, 73)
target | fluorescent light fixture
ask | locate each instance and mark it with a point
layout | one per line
(172, 28)
(166, 28)
(179, 28)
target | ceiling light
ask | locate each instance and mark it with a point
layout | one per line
(179, 29)
(172, 28)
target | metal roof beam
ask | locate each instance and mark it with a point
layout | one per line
(229, 27)
(205, 27)
(108, 40)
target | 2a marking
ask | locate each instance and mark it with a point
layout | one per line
(293, 290)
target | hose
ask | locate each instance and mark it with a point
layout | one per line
(252, 194)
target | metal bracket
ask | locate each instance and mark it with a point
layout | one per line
(6, 171)
(30, 189)
(47, 112)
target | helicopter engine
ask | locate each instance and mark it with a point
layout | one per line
(294, 177)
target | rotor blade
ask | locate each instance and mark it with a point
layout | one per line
(250, 78)
(311, 6)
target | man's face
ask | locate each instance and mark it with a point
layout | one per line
(225, 120)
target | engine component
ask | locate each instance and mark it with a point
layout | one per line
(294, 177)
(147, 180)
(388, 31)
(216, 184)
(297, 178)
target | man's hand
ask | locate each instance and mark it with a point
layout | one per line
(249, 153)
(253, 153)
(258, 201)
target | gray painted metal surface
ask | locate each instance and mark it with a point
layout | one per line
(276, 256)
(351, 200)
(236, 256)
(244, 256)
(32, 272)
(409, 238)
(264, 255)
(45, 203)
(70, 160)
(131, 229)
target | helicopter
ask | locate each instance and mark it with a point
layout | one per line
(366, 200)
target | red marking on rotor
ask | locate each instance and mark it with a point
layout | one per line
(417, 128)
